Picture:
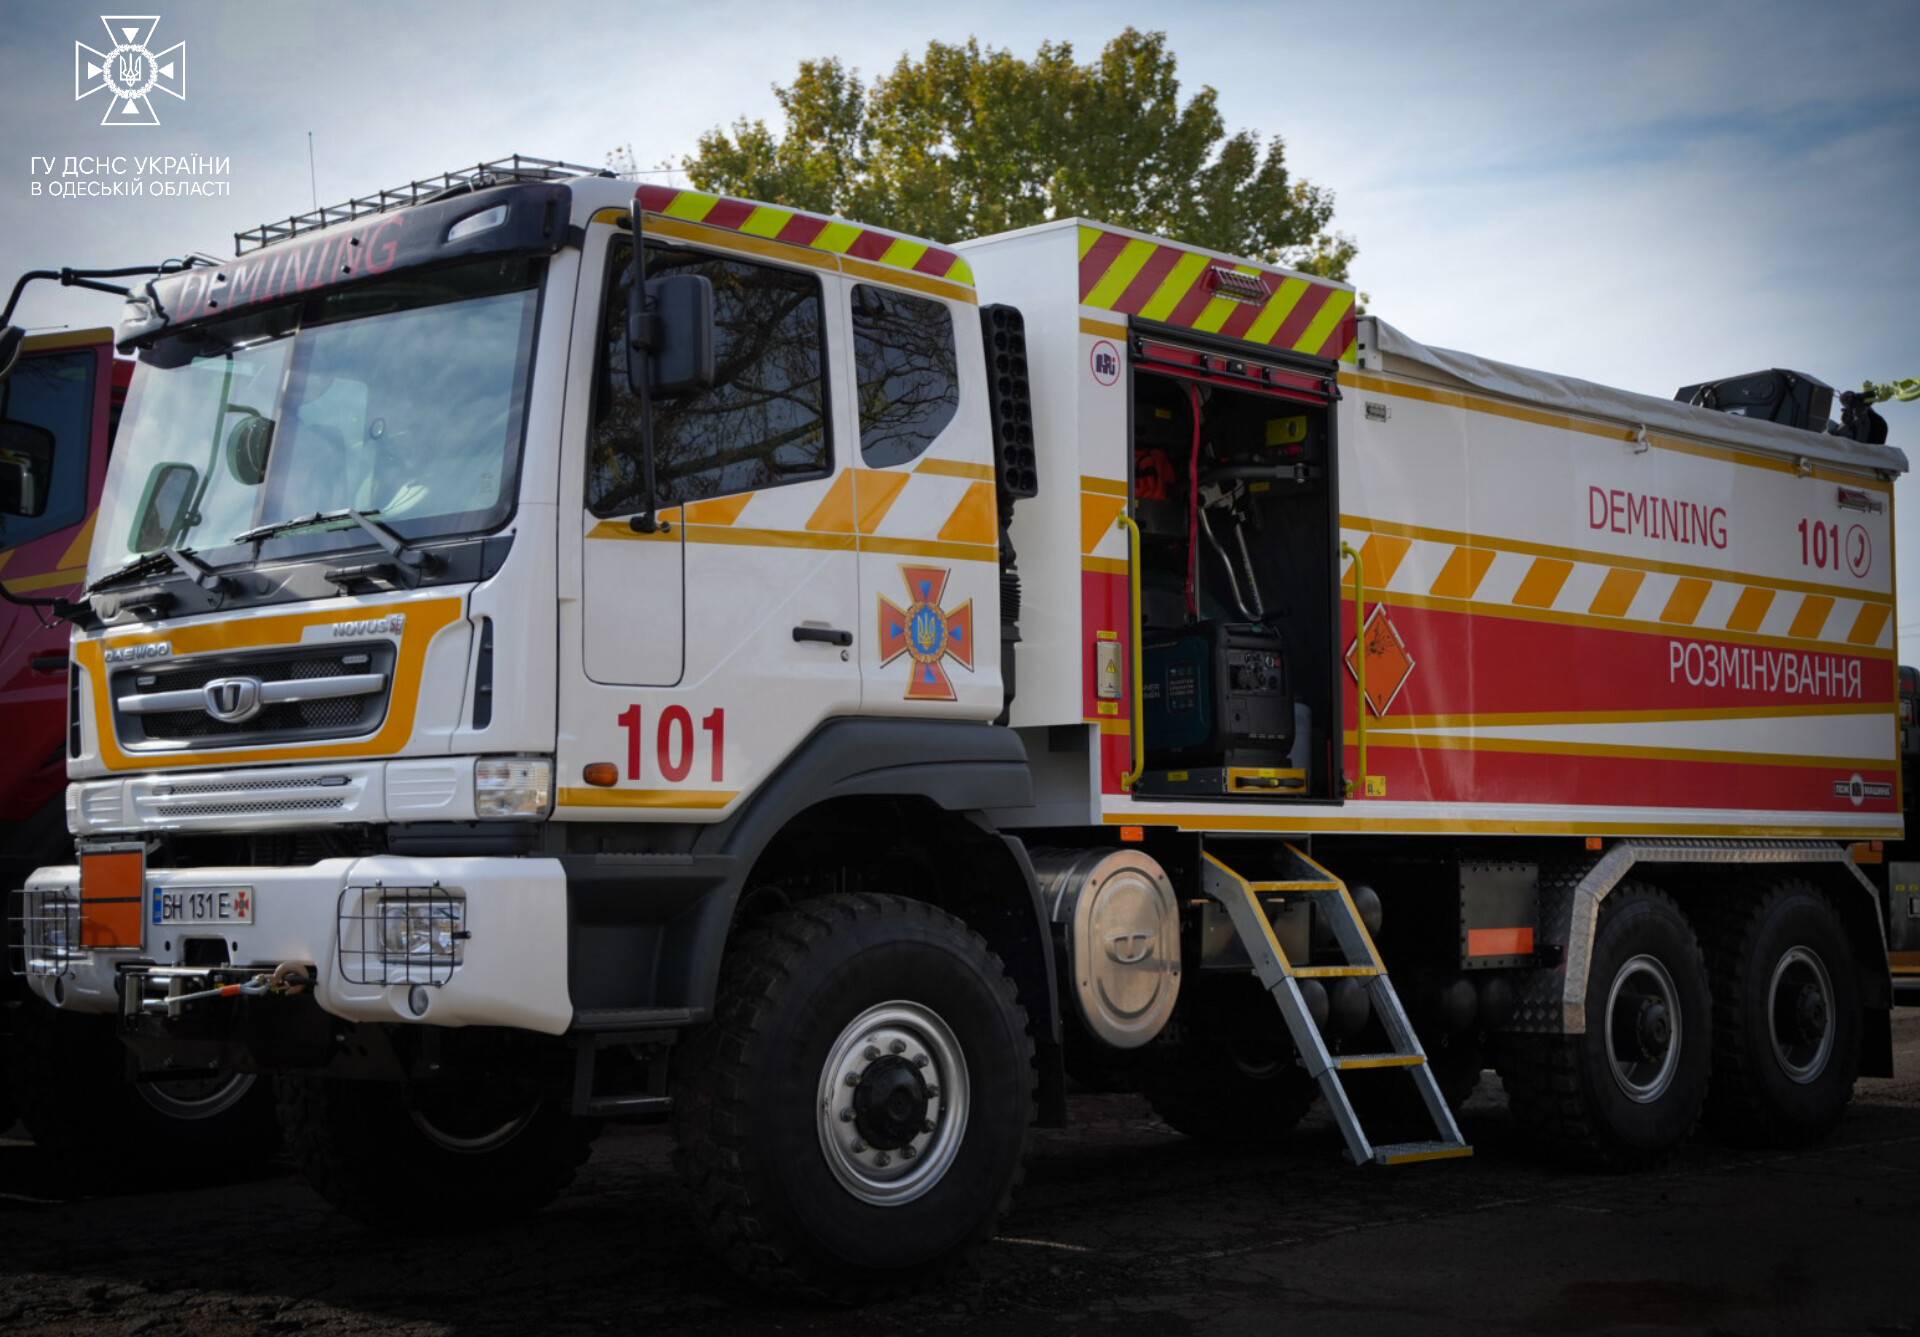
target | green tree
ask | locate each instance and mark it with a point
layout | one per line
(969, 140)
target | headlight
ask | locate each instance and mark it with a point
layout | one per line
(419, 928)
(512, 787)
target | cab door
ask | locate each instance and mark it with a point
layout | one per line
(714, 645)
(923, 502)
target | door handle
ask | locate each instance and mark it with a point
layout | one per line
(824, 635)
(51, 663)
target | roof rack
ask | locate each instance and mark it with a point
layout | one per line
(519, 167)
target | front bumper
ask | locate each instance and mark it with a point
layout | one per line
(509, 969)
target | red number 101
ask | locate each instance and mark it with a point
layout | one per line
(673, 742)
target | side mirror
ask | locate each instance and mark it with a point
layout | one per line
(26, 467)
(247, 447)
(163, 506)
(11, 338)
(670, 334)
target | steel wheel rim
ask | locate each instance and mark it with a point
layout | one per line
(893, 1061)
(1798, 975)
(191, 1098)
(488, 1137)
(1642, 1004)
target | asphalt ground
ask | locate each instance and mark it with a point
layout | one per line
(1123, 1226)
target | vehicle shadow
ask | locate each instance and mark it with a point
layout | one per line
(621, 1249)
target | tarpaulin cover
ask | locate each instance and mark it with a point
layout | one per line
(1569, 394)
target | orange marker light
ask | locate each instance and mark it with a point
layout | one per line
(603, 773)
(1133, 835)
(1594, 842)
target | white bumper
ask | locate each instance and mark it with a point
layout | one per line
(260, 798)
(512, 968)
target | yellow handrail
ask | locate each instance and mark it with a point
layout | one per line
(1360, 662)
(1137, 726)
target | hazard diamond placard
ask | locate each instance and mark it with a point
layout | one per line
(1389, 662)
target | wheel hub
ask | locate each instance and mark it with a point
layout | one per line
(890, 1103)
(1800, 1014)
(1653, 1029)
(1643, 1029)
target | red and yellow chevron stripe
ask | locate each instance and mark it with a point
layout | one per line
(1138, 276)
(814, 231)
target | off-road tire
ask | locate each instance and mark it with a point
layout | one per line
(747, 1137)
(361, 1150)
(1752, 1100)
(1561, 1088)
(69, 1076)
(1202, 1083)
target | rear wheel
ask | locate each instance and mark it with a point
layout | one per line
(857, 1111)
(1786, 1044)
(1629, 1090)
(70, 1080)
(1229, 1075)
(448, 1154)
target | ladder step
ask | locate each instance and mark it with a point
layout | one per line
(1351, 1062)
(1407, 1153)
(1334, 972)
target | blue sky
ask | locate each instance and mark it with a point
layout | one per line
(1641, 194)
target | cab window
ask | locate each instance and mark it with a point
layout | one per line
(762, 423)
(906, 371)
(46, 434)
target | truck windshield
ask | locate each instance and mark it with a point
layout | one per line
(402, 399)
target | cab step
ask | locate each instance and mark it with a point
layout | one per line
(1352, 1062)
(1411, 1153)
(1241, 899)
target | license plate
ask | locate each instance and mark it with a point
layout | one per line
(202, 905)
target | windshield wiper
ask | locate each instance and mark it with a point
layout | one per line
(150, 563)
(401, 550)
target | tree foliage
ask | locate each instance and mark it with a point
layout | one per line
(969, 140)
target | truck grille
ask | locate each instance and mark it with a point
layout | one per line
(277, 721)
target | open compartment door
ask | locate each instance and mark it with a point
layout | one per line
(1236, 497)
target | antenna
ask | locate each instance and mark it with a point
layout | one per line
(313, 181)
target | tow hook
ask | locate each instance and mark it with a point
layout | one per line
(150, 989)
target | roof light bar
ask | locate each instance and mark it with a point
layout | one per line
(519, 167)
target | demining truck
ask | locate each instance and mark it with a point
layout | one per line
(556, 652)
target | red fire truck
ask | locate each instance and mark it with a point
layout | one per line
(66, 1075)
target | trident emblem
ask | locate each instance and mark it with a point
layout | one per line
(927, 633)
(129, 70)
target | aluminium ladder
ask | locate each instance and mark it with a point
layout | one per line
(1304, 878)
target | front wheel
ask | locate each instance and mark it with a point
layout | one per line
(70, 1080)
(437, 1155)
(857, 1111)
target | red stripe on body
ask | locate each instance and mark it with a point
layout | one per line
(935, 262)
(1301, 316)
(1446, 775)
(870, 245)
(1241, 318)
(1480, 663)
(1147, 281)
(801, 229)
(729, 214)
(1094, 265)
(1193, 303)
(655, 199)
(1104, 607)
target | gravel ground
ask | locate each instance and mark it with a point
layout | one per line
(1121, 1224)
